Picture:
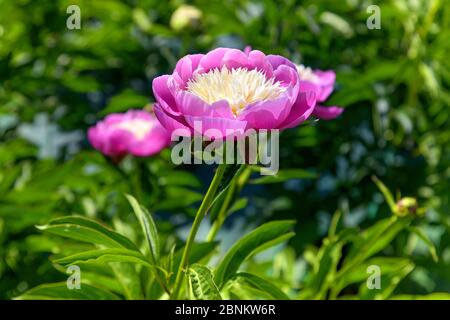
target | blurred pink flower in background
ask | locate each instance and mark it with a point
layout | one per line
(135, 132)
(228, 89)
(322, 82)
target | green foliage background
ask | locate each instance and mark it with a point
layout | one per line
(394, 83)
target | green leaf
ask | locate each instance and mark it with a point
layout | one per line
(105, 256)
(124, 101)
(198, 252)
(284, 175)
(59, 291)
(324, 271)
(231, 171)
(238, 205)
(87, 230)
(148, 227)
(202, 283)
(336, 222)
(252, 242)
(422, 235)
(129, 279)
(388, 284)
(387, 266)
(373, 240)
(103, 281)
(431, 296)
(262, 285)
(386, 193)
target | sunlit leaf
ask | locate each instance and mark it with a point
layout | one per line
(60, 291)
(148, 228)
(87, 230)
(262, 284)
(202, 283)
(249, 244)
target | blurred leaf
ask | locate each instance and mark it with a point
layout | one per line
(128, 99)
(387, 266)
(284, 175)
(431, 296)
(388, 284)
(238, 205)
(59, 291)
(386, 193)
(373, 240)
(423, 236)
(263, 285)
(129, 279)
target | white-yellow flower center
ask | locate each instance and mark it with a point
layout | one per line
(137, 127)
(307, 74)
(240, 87)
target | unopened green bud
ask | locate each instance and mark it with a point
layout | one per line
(406, 206)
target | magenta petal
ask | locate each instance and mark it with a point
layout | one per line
(276, 61)
(301, 110)
(216, 128)
(286, 75)
(117, 143)
(327, 113)
(93, 137)
(213, 59)
(327, 79)
(156, 140)
(170, 122)
(234, 59)
(116, 140)
(258, 60)
(164, 94)
(190, 104)
(187, 65)
(266, 114)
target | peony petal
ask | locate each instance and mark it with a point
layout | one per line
(287, 76)
(170, 122)
(156, 140)
(187, 65)
(327, 113)
(163, 90)
(266, 114)
(258, 60)
(216, 128)
(116, 143)
(276, 61)
(213, 59)
(327, 79)
(301, 110)
(234, 59)
(190, 104)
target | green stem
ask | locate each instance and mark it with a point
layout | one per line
(222, 213)
(235, 188)
(206, 203)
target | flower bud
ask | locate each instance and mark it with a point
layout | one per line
(406, 206)
(185, 16)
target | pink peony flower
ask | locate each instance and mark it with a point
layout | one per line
(135, 132)
(322, 82)
(228, 89)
